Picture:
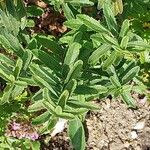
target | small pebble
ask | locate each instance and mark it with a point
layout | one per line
(134, 135)
(139, 126)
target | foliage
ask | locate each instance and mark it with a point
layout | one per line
(94, 59)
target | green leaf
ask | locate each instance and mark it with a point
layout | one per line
(98, 53)
(86, 90)
(47, 59)
(28, 80)
(124, 28)
(67, 11)
(5, 43)
(42, 83)
(118, 59)
(20, 83)
(4, 76)
(18, 68)
(6, 94)
(80, 2)
(14, 43)
(65, 115)
(11, 8)
(63, 99)
(78, 104)
(115, 81)
(41, 118)
(17, 92)
(49, 107)
(74, 71)
(47, 96)
(21, 12)
(110, 18)
(77, 38)
(77, 111)
(52, 122)
(37, 96)
(36, 106)
(73, 23)
(126, 69)
(34, 11)
(49, 42)
(110, 40)
(7, 60)
(35, 145)
(124, 42)
(110, 60)
(71, 86)
(127, 98)
(42, 73)
(141, 44)
(130, 74)
(6, 68)
(91, 23)
(77, 134)
(72, 53)
(26, 59)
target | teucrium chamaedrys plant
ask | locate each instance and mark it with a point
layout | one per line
(91, 61)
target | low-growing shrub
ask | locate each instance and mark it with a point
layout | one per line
(92, 60)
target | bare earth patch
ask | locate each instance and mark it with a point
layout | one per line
(115, 127)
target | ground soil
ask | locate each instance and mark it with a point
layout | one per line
(116, 127)
(113, 127)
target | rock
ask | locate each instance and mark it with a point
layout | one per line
(134, 135)
(139, 126)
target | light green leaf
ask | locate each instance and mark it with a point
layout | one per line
(71, 86)
(41, 118)
(74, 71)
(77, 134)
(26, 59)
(110, 40)
(141, 44)
(7, 60)
(49, 107)
(49, 42)
(97, 54)
(115, 81)
(35, 145)
(73, 23)
(67, 11)
(124, 42)
(72, 53)
(127, 98)
(47, 59)
(79, 104)
(6, 94)
(91, 23)
(110, 18)
(130, 74)
(47, 96)
(42, 73)
(110, 60)
(42, 83)
(63, 99)
(124, 28)
(36, 106)
(18, 68)
(77, 111)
